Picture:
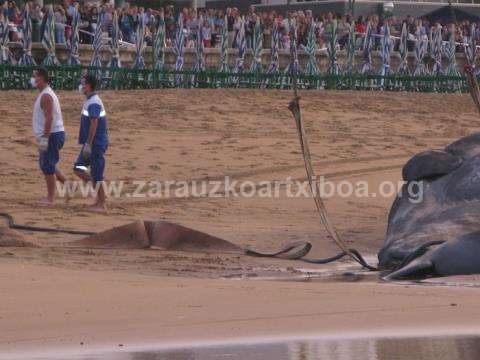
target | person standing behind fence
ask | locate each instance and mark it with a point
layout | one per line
(236, 28)
(250, 21)
(94, 140)
(230, 26)
(94, 20)
(170, 26)
(49, 131)
(60, 23)
(126, 23)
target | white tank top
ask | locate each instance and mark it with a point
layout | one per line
(38, 117)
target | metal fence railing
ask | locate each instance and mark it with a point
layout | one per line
(68, 78)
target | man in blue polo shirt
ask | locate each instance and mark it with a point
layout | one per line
(94, 140)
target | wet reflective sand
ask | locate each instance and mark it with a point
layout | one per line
(439, 348)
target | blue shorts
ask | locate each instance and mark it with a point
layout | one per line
(96, 163)
(49, 159)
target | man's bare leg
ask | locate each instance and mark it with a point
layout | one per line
(50, 180)
(63, 180)
(101, 203)
(83, 175)
(60, 176)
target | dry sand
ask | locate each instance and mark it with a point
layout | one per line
(58, 296)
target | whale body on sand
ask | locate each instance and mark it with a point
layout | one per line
(434, 223)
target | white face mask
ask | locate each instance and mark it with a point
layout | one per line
(33, 82)
(80, 89)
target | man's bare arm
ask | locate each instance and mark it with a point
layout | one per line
(46, 103)
(92, 131)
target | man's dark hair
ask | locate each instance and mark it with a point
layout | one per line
(91, 80)
(43, 73)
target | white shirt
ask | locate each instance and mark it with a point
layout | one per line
(38, 116)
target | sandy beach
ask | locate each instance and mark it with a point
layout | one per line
(54, 297)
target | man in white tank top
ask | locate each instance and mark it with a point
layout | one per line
(48, 129)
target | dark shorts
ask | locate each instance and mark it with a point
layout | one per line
(96, 163)
(49, 159)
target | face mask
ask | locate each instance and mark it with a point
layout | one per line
(80, 89)
(33, 82)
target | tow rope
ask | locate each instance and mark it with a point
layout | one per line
(302, 249)
(294, 107)
(354, 254)
(11, 224)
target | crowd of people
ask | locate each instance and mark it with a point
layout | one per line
(213, 22)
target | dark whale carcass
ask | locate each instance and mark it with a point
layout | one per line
(434, 223)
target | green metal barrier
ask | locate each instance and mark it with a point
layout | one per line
(67, 78)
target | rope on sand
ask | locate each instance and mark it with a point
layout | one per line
(12, 225)
(294, 107)
(303, 249)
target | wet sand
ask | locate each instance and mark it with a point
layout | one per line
(46, 309)
(61, 297)
(357, 348)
